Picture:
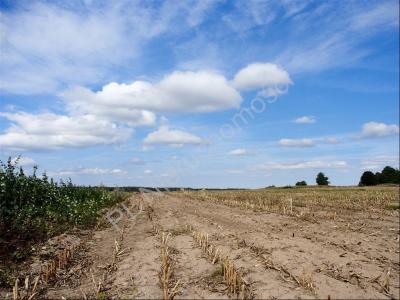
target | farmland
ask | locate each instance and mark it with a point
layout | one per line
(268, 243)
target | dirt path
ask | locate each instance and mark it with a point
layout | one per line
(279, 256)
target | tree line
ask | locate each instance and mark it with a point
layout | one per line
(388, 175)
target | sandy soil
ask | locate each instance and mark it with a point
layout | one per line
(355, 255)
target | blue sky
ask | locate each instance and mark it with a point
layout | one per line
(200, 94)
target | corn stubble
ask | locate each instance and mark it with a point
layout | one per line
(293, 201)
(237, 285)
(166, 276)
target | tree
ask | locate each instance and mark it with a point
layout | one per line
(322, 179)
(368, 178)
(389, 175)
(301, 183)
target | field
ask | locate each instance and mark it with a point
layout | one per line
(270, 243)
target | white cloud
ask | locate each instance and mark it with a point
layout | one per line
(376, 130)
(379, 162)
(171, 137)
(238, 152)
(340, 37)
(201, 91)
(261, 75)
(48, 45)
(23, 161)
(386, 13)
(198, 11)
(304, 165)
(148, 172)
(81, 100)
(296, 143)
(305, 120)
(88, 171)
(44, 46)
(50, 131)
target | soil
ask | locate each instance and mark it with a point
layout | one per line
(352, 256)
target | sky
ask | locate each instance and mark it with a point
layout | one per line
(200, 93)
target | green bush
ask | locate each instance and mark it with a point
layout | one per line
(32, 206)
(301, 183)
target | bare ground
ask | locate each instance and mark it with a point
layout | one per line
(355, 255)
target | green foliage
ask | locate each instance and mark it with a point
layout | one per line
(322, 179)
(368, 178)
(301, 183)
(388, 175)
(33, 207)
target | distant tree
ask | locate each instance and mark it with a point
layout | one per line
(378, 177)
(322, 179)
(301, 183)
(368, 178)
(389, 175)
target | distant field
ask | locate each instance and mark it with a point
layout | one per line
(315, 198)
(307, 242)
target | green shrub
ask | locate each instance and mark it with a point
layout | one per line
(33, 207)
(301, 183)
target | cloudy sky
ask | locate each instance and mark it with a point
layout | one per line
(201, 94)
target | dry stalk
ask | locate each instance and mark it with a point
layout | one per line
(235, 282)
(384, 281)
(170, 290)
(118, 251)
(305, 280)
(61, 261)
(28, 292)
(98, 285)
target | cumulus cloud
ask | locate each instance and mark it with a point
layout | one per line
(304, 165)
(201, 91)
(261, 75)
(102, 117)
(377, 130)
(23, 161)
(51, 131)
(172, 137)
(238, 152)
(296, 143)
(148, 172)
(180, 91)
(305, 120)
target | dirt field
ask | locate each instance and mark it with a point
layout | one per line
(296, 254)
